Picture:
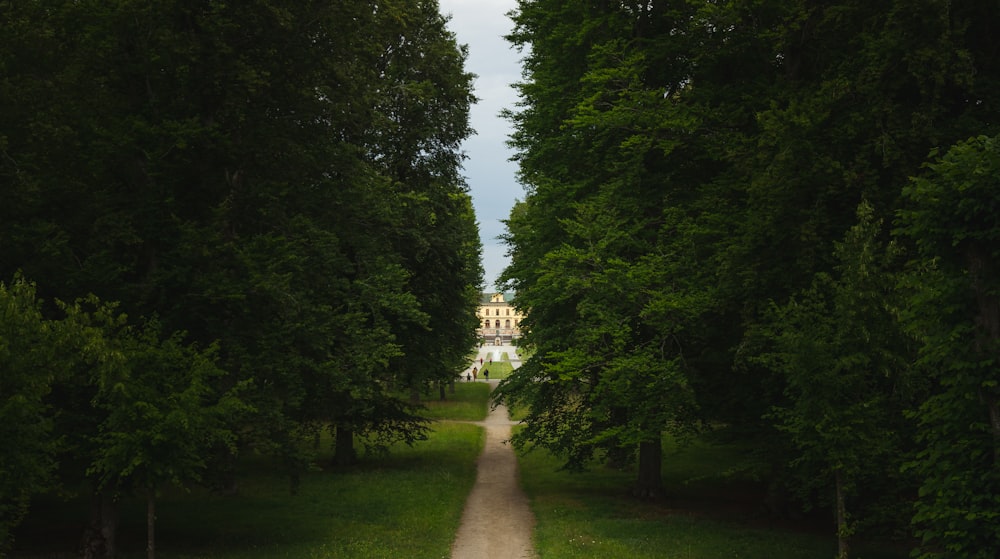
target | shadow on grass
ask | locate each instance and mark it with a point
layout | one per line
(706, 513)
(407, 504)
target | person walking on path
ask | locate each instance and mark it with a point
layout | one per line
(497, 521)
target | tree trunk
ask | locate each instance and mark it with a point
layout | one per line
(441, 391)
(226, 472)
(843, 532)
(994, 405)
(344, 454)
(414, 394)
(618, 456)
(151, 524)
(983, 271)
(99, 536)
(650, 481)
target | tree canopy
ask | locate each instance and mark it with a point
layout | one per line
(688, 252)
(277, 185)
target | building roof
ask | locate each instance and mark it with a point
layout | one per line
(485, 298)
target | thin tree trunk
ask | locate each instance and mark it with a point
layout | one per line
(226, 472)
(441, 391)
(994, 406)
(414, 394)
(618, 456)
(843, 533)
(344, 454)
(151, 524)
(982, 268)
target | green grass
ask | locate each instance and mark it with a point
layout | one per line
(498, 370)
(407, 504)
(468, 403)
(705, 514)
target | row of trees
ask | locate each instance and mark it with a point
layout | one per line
(774, 216)
(255, 214)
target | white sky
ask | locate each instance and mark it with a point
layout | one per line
(481, 24)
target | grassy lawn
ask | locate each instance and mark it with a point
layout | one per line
(498, 370)
(705, 515)
(407, 504)
(468, 403)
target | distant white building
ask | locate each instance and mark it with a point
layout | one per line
(499, 321)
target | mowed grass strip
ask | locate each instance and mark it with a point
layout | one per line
(498, 370)
(705, 514)
(470, 402)
(407, 504)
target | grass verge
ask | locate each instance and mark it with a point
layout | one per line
(407, 504)
(705, 515)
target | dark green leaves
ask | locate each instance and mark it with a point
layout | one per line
(954, 312)
(280, 182)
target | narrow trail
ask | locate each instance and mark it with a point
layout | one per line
(497, 522)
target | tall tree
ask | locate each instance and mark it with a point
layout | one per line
(280, 179)
(157, 413)
(421, 121)
(732, 142)
(627, 196)
(844, 359)
(950, 215)
(863, 91)
(31, 361)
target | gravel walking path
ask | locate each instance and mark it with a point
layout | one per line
(497, 522)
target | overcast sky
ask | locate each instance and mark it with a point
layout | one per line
(481, 24)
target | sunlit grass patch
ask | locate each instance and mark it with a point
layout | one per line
(497, 369)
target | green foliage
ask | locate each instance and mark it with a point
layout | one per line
(30, 362)
(955, 316)
(687, 163)
(148, 414)
(161, 416)
(279, 182)
(597, 262)
(843, 357)
(420, 122)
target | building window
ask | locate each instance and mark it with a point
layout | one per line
(487, 324)
(508, 312)
(498, 324)
(507, 324)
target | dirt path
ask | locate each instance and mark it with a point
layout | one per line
(497, 521)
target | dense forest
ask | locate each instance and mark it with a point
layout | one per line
(225, 227)
(774, 221)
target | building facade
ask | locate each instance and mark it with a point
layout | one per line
(499, 321)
